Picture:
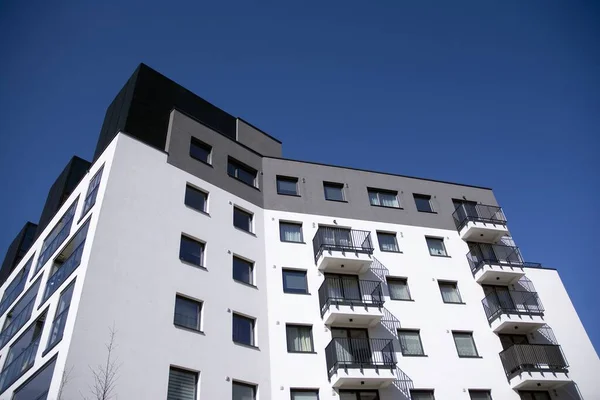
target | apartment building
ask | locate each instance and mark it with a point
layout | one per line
(226, 271)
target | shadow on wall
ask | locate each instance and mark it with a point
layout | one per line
(569, 391)
(379, 270)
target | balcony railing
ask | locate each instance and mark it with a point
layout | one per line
(495, 254)
(478, 213)
(349, 291)
(519, 302)
(16, 323)
(533, 358)
(19, 365)
(64, 271)
(359, 353)
(340, 239)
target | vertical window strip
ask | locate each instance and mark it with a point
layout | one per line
(92, 192)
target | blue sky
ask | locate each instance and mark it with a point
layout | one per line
(499, 94)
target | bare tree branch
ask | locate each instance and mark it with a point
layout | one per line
(105, 376)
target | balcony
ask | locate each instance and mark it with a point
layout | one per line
(364, 363)
(497, 264)
(481, 222)
(342, 250)
(348, 300)
(510, 310)
(535, 366)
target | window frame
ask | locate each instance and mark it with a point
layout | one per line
(250, 216)
(427, 197)
(189, 371)
(200, 310)
(189, 186)
(248, 385)
(238, 165)
(441, 239)
(92, 192)
(291, 223)
(202, 249)
(418, 332)
(487, 392)
(423, 391)
(203, 145)
(252, 321)
(379, 191)
(335, 185)
(245, 261)
(287, 338)
(292, 270)
(470, 334)
(289, 179)
(455, 285)
(395, 236)
(51, 344)
(303, 390)
(398, 279)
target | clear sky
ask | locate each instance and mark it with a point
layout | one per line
(502, 94)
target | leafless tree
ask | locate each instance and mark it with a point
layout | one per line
(105, 376)
(64, 380)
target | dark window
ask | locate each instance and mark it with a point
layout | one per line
(299, 339)
(60, 317)
(241, 172)
(243, 270)
(410, 342)
(92, 192)
(183, 385)
(334, 191)
(187, 313)
(191, 251)
(290, 232)
(243, 391)
(200, 151)
(294, 281)
(450, 292)
(242, 219)
(465, 345)
(359, 395)
(387, 242)
(38, 385)
(436, 246)
(534, 395)
(421, 395)
(243, 330)
(286, 185)
(480, 394)
(56, 237)
(383, 198)
(423, 202)
(195, 198)
(15, 288)
(19, 315)
(304, 394)
(398, 288)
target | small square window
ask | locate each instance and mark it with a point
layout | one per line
(183, 384)
(304, 394)
(287, 185)
(242, 172)
(187, 313)
(450, 292)
(334, 191)
(383, 198)
(191, 251)
(388, 242)
(299, 339)
(410, 342)
(243, 329)
(436, 247)
(200, 151)
(242, 219)
(423, 203)
(421, 395)
(480, 394)
(398, 288)
(243, 391)
(290, 232)
(195, 198)
(294, 281)
(465, 345)
(243, 271)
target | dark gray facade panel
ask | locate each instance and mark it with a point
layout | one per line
(257, 140)
(17, 249)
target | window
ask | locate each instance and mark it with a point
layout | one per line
(383, 198)
(465, 345)
(359, 395)
(423, 203)
(290, 232)
(241, 172)
(299, 339)
(304, 394)
(38, 385)
(388, 242)
(196, 199)
(287, 186)
(92, 192)
(398, 288)
(191, 251)
(450, 292)
(534, 395)
(15, 288)
(334, 191)
(243, 271)
(436, 247)
(480, 394)
(294, 281)
(421, 395)
(56, 237)
(243, 391)
(242, 219)
(410, 342)
(60, 317)
(19, 315)
(187, 313)
(200, 151)
(183, 385)
(243, 330)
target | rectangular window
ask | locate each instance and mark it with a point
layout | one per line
(465, 345)
(287, 185)
(56, 237)
(191, 251)
(423, 203)
(421, 395)
(200, 151)
(242, 219)
(304, 394)
(388, 242)
(290, 232)
(398, 288)
(334, 191)
(18, 316)
(60, 317)
(436, 246)
(450, 292)
(188, 313)
(243, 391)
(15, 288)
(480, 394)
(38, 385)
(183, 384)
(243, 330)
(92, 192)
(294, 281)
(196, 199)
(299, 338)
(383, 198)
(410, 342)
(243, 270)
(241, 172)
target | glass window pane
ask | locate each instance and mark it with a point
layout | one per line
(37, 388)
(191, 251)
(303, 394)
(423, 203)
(294, 281)
(436, 246)
(243, 330)
(421, 395)
(410, 343)
(465, 344)
(398, 289)
(287, 186)
(334, 192)
(187, 313)
(182, 384)
(289, 232)
(299, 338)
(480, 395)
(195, 198)
(242, 391)
(242, 220)
(374, 198)
(242, 271)
(450, 293)
(387, 241)
(200, 151)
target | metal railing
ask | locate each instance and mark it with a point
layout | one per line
(359, 353)
(519, 302)
(496, 254)
(64, 271)
(479, 213)
(349, 291)
(340, 239)
(16, 323)
(533, 358)
(19, 365)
